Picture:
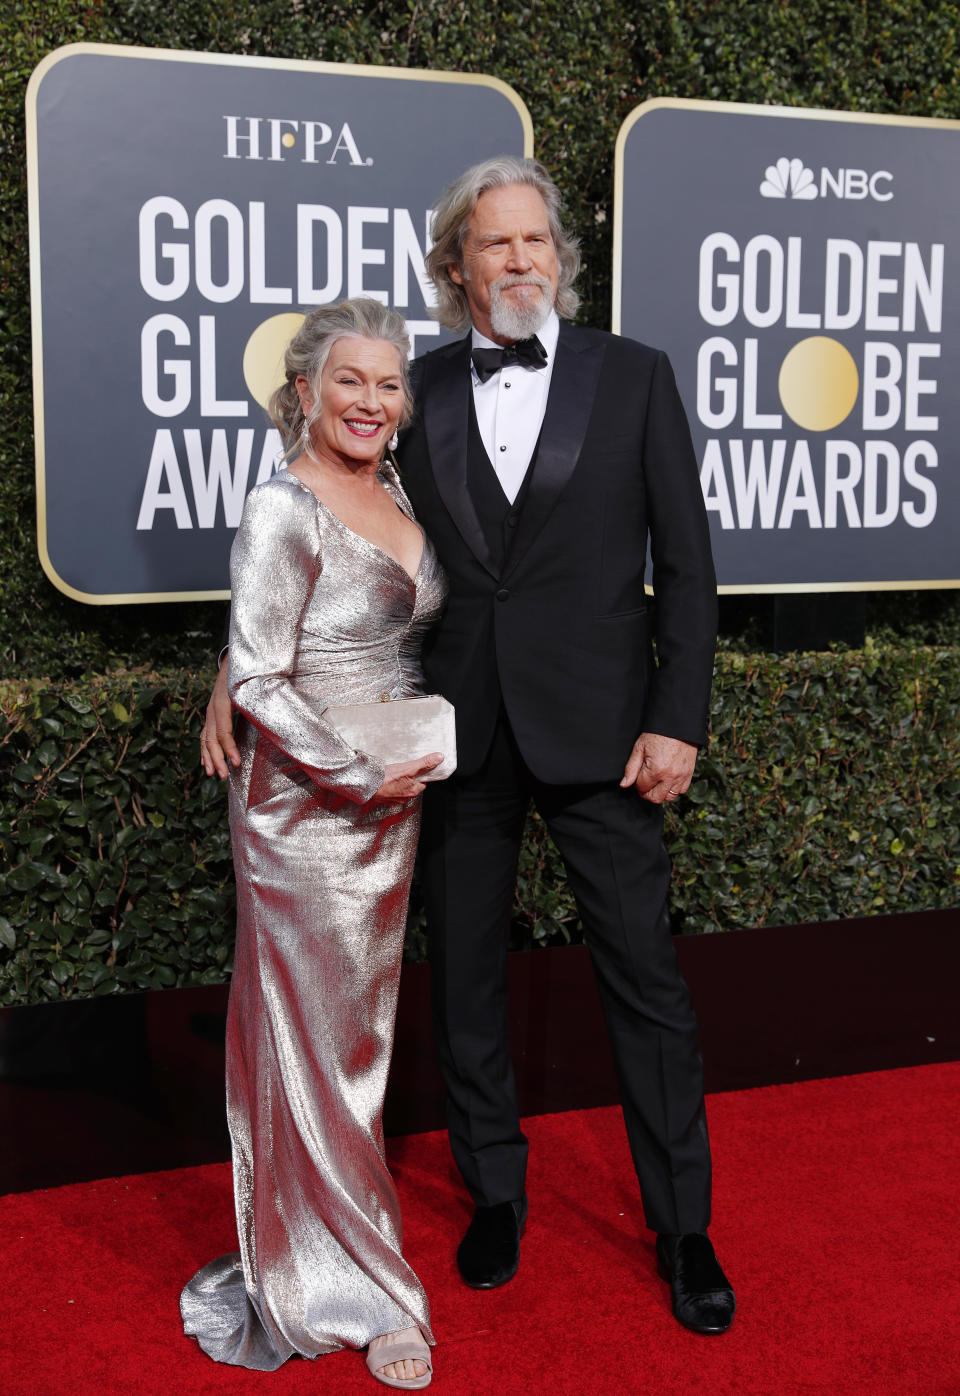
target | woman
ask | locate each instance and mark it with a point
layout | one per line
(334, 585)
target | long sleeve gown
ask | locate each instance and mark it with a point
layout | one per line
(320, 616)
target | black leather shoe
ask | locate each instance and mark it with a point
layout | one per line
(489, 1254)
(702, 1297)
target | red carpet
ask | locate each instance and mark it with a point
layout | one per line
(836, 1217)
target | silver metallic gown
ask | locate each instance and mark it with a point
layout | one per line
(320, 616)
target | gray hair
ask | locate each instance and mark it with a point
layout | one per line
(309, 349)
(450, 229)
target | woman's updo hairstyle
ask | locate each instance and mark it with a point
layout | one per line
(308, 350)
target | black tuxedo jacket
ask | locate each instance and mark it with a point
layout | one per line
(561, 632)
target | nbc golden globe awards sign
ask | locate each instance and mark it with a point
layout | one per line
(185, 210)
(802, 270)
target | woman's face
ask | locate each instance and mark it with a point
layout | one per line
(361, 400)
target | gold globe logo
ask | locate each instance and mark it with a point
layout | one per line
(818, 383)
(263, 369)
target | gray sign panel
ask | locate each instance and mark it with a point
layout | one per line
(802, 269)
(186, 209)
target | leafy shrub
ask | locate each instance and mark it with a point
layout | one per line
(828, 790)
(831, 780)
(580, 65)
(116, 854)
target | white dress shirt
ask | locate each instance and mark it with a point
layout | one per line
(510, 407)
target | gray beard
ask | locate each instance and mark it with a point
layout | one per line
(519, 321)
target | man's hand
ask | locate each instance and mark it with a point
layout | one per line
(401, 781)
(660, 767)
(217, 746)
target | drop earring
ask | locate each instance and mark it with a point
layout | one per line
(392, 443)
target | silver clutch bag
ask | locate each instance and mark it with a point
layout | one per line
(400, 729)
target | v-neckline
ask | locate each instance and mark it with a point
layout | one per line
(361, 538)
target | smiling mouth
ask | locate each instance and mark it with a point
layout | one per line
(361, 428)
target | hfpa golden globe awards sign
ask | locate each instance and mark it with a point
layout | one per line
(802, 269)
(186, 209)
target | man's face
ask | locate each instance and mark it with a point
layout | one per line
(510, 270)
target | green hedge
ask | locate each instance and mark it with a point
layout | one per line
(830, 789)
(115, 850)
(580, 65)
(830, 786)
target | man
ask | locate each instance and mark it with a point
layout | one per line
(540, 460)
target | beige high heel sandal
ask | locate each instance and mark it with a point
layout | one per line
(410, 1349)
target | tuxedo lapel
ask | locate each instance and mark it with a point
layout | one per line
(570, 400)
(446, 415)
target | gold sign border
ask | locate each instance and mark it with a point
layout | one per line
(755, 109)
(174, 56)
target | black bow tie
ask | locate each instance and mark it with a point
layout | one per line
(528, 352)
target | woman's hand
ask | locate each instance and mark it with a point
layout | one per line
(403, 779)
(217, 746)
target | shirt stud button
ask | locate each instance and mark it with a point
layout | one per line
(503, 448)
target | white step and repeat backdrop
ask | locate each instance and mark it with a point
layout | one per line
(185, 210)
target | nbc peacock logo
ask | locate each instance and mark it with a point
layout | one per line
(792, 179)
(788, 179)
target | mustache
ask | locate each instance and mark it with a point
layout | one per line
(520, 279)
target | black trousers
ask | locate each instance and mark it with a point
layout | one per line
(612, 846)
